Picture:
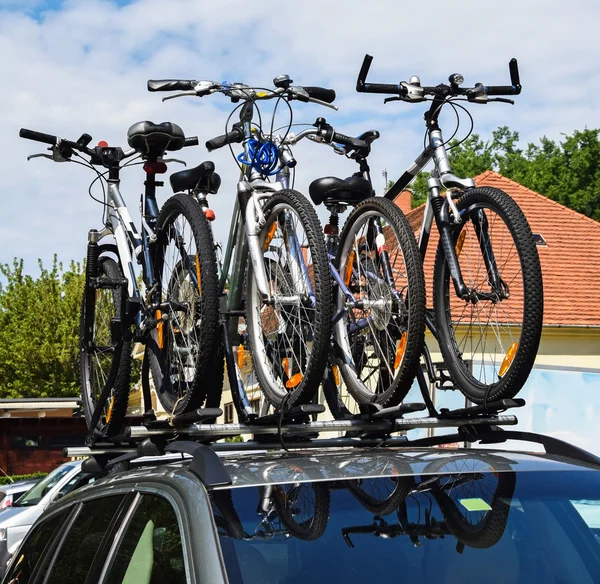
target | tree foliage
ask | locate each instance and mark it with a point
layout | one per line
(567, 171)
(39, 331)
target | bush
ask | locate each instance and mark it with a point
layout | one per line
(4, 480)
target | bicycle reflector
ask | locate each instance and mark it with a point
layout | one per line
(155, 167)
(103, 144)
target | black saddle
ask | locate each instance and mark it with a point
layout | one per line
(349, 191)
(202, 178)
(154, 139)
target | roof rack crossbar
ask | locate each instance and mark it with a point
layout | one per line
(384, 427)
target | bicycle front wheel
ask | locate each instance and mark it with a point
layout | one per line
(100, 352)
(381, 334)
(184, 344)
(289, 332)
(489, 341)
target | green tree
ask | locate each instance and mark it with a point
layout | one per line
(39, 331)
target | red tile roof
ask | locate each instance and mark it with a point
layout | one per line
(569, 262)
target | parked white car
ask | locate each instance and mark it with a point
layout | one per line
(17, 520)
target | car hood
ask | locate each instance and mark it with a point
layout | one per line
(19, 516)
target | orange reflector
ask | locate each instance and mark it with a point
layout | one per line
(348, 272)
(294, 380)
(241, 351)
(198, 274)
(285, 363)
(110, 409)
(400, 351)
(270, 236)
(336, 374)
(209, 214)
(510, 355)
(159, 329)
(460, 242)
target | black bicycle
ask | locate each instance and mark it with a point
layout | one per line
(487, 281)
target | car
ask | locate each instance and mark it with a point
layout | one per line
(10, 493)
(366, 508)
(17, 520)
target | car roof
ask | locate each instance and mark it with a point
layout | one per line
(18, 486)
(261, 468)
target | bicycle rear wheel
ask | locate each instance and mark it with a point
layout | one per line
(489, 342)
(184, 349)
(381, 333)
(289, 334)
(99, 352)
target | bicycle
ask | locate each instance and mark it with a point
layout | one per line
(379, 287)
(286, 298)
(173, 311)
(486, 250)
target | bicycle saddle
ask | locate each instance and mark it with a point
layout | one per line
(349, 191)
(150, 138)
(203, 177)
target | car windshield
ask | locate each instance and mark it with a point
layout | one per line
(488, 526)
(37, 493)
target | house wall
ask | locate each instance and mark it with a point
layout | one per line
(29, 445)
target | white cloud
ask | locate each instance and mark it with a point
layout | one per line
(82, 67)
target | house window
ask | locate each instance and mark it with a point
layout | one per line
(62, 441)
(26, 441)
(229, 413)
(538, 239)
(255, 403)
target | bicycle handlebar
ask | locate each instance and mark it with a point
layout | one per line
(412, 91)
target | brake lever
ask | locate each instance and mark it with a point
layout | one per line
(502, 99)
(56, 155)
(30, 157)
(324, 103)
(165, 160)
(388, 99)
(182, 94)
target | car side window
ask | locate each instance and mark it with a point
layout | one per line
(151, 550)
(23, 565)
(82, 546)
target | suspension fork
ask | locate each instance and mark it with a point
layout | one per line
(480, 223)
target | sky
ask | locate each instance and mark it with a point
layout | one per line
(82, 65)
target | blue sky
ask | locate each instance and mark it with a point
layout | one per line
(81, 66)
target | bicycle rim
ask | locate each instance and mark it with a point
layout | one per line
(378, 341)
(489, 345)
(289, 335)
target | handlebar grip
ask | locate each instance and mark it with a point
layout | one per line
(362, 75)
(191, 141)
(170, 84)
(320, 93)
(513, 67)
(349, 141)
(382, 88)
(38, 136)
(235, 136)
(501, 90)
